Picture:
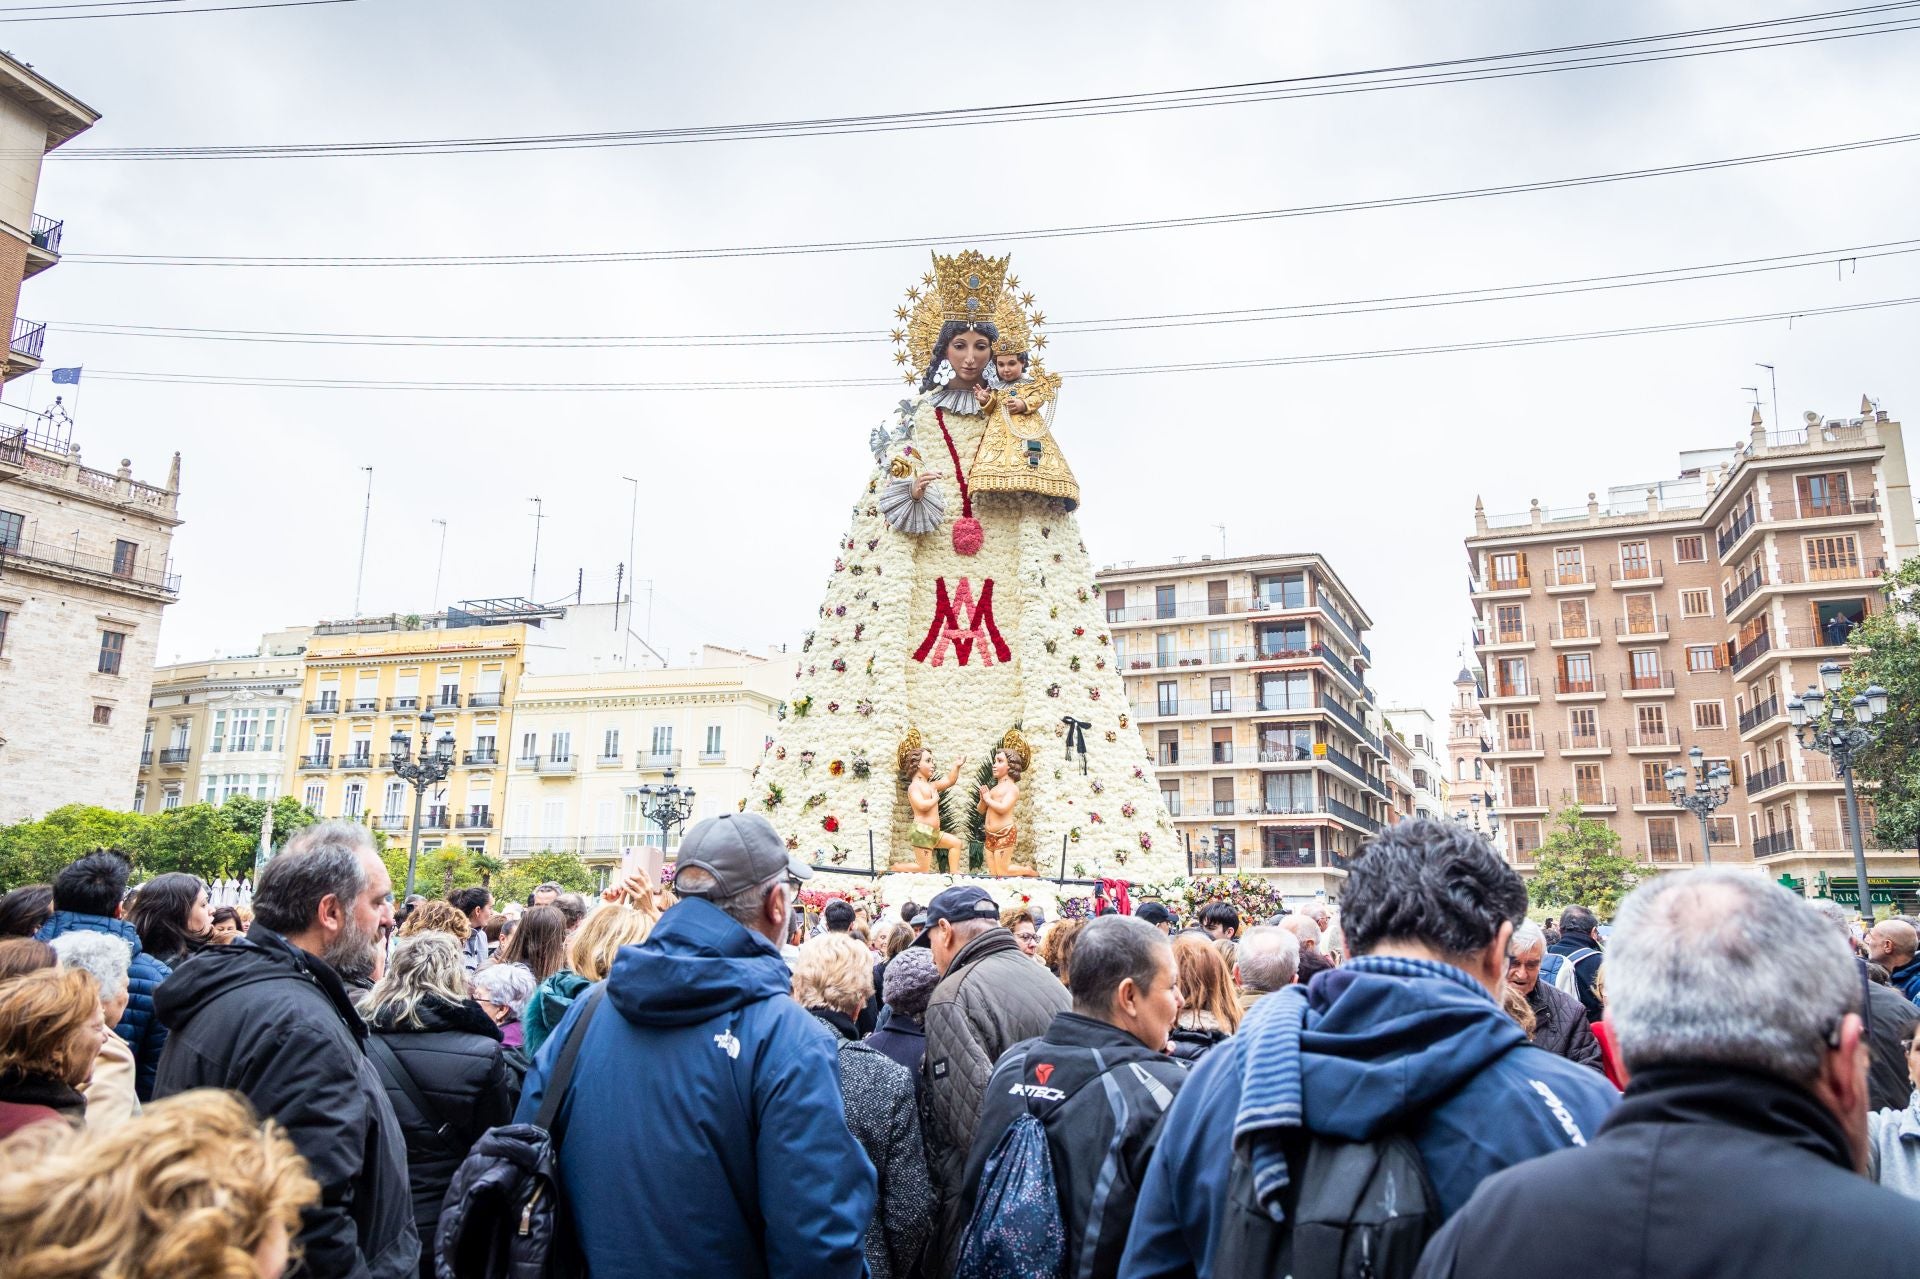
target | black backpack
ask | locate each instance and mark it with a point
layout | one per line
(1354, 1209)
(505, 1215)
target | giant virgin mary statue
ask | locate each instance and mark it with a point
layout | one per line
(961, 638)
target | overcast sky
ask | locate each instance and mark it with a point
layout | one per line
(743, 493)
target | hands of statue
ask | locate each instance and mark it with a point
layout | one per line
(981, 393)
(1016, 405)
(920, 483)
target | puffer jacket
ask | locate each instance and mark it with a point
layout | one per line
(1560, 1026)
(549, 1003)
(1194, 1034)
(884, 1119)
(991, 997)
(138, 1026)
(456, 1060)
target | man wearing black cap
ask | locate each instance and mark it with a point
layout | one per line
(703, 1083)
(990, 997)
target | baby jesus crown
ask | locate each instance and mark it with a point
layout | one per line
(968, 285)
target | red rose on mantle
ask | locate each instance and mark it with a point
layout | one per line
(830, 824)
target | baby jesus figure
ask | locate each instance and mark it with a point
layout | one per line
(997, 803)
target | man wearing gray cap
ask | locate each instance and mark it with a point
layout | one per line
(703, 1131)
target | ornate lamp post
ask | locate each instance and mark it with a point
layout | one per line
(1710, 791)
(1824, 728)
(666, 806)
(436, 759)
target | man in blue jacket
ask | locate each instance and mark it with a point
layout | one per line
(87, 897)
(1409, 1037)
(704, 1131)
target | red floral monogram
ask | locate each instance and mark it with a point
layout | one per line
(947, 630)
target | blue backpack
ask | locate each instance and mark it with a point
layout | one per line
(1015, 1231)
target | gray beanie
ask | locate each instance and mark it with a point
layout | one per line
(910, 979)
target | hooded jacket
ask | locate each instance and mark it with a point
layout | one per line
(456, 1060)
(705, 1134)
(1906, 979)
(137, 1026)
(266, 1019)
(1382, 1045)
(1100, 1094)
(1709, 1172)
(550, 1002)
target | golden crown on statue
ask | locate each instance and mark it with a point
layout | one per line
(968, 285)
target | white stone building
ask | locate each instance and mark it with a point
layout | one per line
(1427, 770)
(85, 571)
(222, 727)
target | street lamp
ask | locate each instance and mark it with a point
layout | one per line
(436, 758)
(1710, 791)
(1833, 737)
(666, 806)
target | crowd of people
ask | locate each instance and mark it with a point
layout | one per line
(1724, 1079)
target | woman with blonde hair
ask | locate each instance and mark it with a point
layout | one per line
(429, 1033)
(833, 979)
(1211, 1006)
(591, 958)
(50, 1033)
(437, 917)
(195, 1188)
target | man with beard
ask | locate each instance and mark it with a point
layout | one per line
(270, 1016)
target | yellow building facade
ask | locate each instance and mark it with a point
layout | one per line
(361, 685)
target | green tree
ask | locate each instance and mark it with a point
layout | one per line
(1892, 660)
(34, 852)
(486, 865)
(243, 813)
(1580, 865)
(523, 876)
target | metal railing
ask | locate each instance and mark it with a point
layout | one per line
(1644, 571)
(1767, 778)
(446, 701)
(1285, 754)
(1588, 630)
(1574, 685)
(1345, 672)
(1743, 590)
(1645, 681)
(28, 338)
(1525, 796)
(45, 233)
(1863, 568)
(106, 568)
(1795, 509)
(1520, 742)
(313, 762)
(1749, 653)
(1341, 624)
(1351, 722)
(325, 706)
(358, 760)
(1513, 688)
(436, 819)
(411, 702)
(1656, 737)
(486, 759)
(1755, 716)
(1592, 796)
(1522, 634)
(1519, 581)
(1663, 851)
(658, 759)
(361, 705)
(1779, 841)
(476, 701)
(1583, 575)
(146, 758)
(1598, 740)
(1736, 530)
(175, 754)
(1652, 624)
(1348, 813)
(1181, 610)
(474, 819)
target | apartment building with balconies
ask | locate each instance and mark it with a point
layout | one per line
(1684, 613)
(1473, 783)
(85, 573)
(1247, 679)
(36, 116)
(222, 727)
(585, 744)
(1426, 772)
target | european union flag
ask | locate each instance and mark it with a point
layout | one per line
(66, 377)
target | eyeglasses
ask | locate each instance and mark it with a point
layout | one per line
(1026, 937)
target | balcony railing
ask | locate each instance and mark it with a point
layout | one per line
(1779, 841)
(1521, 742)
(658, 759)
(1592, 796)
(1656, 738)
(1736, 530)
(1860, 568)
(1525, 797)
(558, 764)
(146, 758)
(362, 705)
(1508, 635)
(475, 819)
(1638, 571)
(1181, 610)
(1570, 575)
(446, 701)
(1646, 681)
(28, 338)
(390, 821)
(436, 819)
(1353, 770)
(1345, 672)
(1767, 778)
(1574, 685)
(1798, 510)
(1351, 722)
(45, 233)
(313, 763)
(1348, 813)
(1598, 740)
(1516, 581)
(477, 701)
(1744, 589)
(408, 703)
(175, 754)
(360, 760)
(1341, 624)
(1649, 624)
(1285, 753)
(1663, 851)
(1756, 716)
(1514, 688)
(1747, 654)
(480, 759)
(107, 569)
(1217, 656)
(1588, 630)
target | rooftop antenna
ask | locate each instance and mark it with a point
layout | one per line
(1223, 540)
(1754, 391)
(439, 564)
(366, 518)
(1774, 384)
(633, 523)
(533, 584)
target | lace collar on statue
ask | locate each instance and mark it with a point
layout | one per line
(954, 399)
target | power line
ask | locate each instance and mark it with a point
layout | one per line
(1114, 324)
(169, 13)
(977, 237)
(96, 4)
(796, 384)
(1587, 56)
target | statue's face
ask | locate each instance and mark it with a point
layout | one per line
(925, 766)
(968, 353)
(1007, 365)
(999, 766)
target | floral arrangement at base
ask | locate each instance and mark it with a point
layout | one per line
(890, 892)
(1255, 898)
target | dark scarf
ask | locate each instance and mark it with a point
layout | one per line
(838, 1022)
(24, 1088)
(1735, 1098)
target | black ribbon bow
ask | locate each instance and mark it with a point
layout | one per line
(1077, 737)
